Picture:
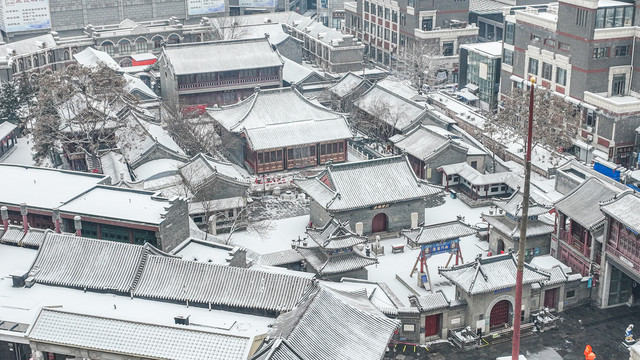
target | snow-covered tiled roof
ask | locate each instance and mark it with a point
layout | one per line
(512, 228)
(6, 128)
(137, 87)
(115, 166)
(346, 84)
(430, 302)
(281, 117)
(624, 208)
(583, 203)
(366, 183)
(30, 45)
(202, 167)
(135, 339)
(298, 133)
(219, 56)
(91, 57)
(280, 258)
(294, 72)
(37, 184)
(139, 137)
(220, 285)
(513, 205)
(477, 178)
(157, 168)
(119, 204)
(331, 324)
(420, 142)
(274, 30)
(490, 274)
(335, 235)
(324, 264)
(403, 112)
(13, 235)
(78, 262)
(436, 233)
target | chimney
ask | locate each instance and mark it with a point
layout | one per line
(4, 213)
(181, 320)
(414, 220)
(77, 222)
(24, 212)
(56, 219)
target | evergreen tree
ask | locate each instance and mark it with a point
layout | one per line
(9, 103)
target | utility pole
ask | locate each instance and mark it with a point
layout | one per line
(515, 347)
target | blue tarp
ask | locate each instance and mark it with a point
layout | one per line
(605, 170)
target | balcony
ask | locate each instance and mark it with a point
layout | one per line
(446, 34)
(575, 242)
(614, 104)
(226, 84)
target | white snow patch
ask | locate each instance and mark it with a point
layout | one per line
(22, 153)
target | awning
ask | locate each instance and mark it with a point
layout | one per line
(472, 87)
(464, 93)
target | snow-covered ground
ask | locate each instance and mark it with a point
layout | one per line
(276, 237)
(22, 153)
(281, 232)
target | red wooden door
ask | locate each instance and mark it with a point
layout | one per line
(379, 223)
(432, 325)
(499, 314)
(550, 298)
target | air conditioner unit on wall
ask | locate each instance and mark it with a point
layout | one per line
(589, 137)
(589, 129)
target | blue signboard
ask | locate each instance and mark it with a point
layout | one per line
(201, 7)
(589, 283)
(424, 278)
(449, 246)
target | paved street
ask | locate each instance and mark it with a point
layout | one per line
(602, 329)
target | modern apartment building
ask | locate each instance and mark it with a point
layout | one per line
(583, 50)
(388, 27)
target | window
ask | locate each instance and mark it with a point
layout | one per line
(394, 37)
(547, 71)
(366, 26)
(402, 40)
(550, 42)
(600, 52)
(124, 47)
(622, 50)
(618, 86)
(508, 57)
(107, 47)
(380, 28)
(581, 17)
(403, 19)
(141, 45)
(564, 46)
(614, 17)
(394, 16)
(427, 24)
(380, 11)
(411, 3)
(571, 294)
(366, 6)
(509, 33)
(447, 48)
(591, 118)
(533, 66)
(157, 42)
(387, 14)
(387, 33)
(561, 76)
(534, 37)
(373, 29)
(373, 9)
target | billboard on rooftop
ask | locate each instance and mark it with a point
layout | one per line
(24, 15)
(202, 7)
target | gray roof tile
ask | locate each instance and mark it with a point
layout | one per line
(332, 324)
(490, 274)
(435, 233)
(430, 302)
(135, 339)
(324, 264)
(195, 58)
(206, 283)
(367, 183)
(280, 258)
(582, 204)
(625, 208)
(335, 235)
